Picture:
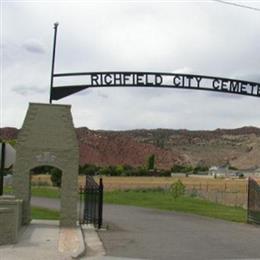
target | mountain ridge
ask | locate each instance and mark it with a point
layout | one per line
(240, 147)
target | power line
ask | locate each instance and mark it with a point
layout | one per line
(238, 5)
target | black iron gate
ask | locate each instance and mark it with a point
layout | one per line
(253, 210)
(91, 202)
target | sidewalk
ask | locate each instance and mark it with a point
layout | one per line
(43, 239)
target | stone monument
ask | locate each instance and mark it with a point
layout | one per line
(48, 137)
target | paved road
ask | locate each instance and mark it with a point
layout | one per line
(46, 203)
(146, 233)
(154, 234)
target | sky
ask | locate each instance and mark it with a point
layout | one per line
(199, 37)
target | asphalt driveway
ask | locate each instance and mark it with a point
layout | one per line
(154, 234)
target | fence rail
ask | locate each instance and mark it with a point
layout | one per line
(229, 198)
(253, 212)
(91, 202)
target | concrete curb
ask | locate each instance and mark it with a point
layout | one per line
(82, 246)
(94, 244)
(71, 242)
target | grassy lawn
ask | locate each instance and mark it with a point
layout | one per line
(165, 201)
(149, 199)
(47, 192)
(38, 212)
(42, 213)
(40, 191)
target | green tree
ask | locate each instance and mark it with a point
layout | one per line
(151, 162)
(128, 170)
(198, 169)
(233, 168)
(56, 175)
(181, 168)
(44, 169)
(141, 171)
(107, 170)
(88, 169)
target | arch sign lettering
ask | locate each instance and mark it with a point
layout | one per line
(158, 80)
(149, 79)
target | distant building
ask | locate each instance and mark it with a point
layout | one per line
(218, 171)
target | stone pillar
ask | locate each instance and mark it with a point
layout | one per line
(48, 137)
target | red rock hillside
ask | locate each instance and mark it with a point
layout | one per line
(239, 147)
(113, 148)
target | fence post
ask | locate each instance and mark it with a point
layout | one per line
(80, 205)
(2, 167)
(248, 198)
(100, 204)
(92, 204)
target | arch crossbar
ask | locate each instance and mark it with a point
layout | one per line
(156, 80)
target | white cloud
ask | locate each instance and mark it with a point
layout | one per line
(28, 90)
(203, 37)
(34, 46)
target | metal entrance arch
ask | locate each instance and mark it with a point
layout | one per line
(148, 79)
(154, 80)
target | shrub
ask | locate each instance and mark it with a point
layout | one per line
(104, 171)
(88, 169)
(241, 175)
(44, 169)
(177, 189)
(119, 169)
(181, 168)
(141, 171)
(122, 170)
(200, 169)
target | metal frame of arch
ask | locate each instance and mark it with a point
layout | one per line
(149, 79)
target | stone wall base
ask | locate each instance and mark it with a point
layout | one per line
(10, 219)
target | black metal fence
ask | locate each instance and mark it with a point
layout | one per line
(253, 211)
(91, 202)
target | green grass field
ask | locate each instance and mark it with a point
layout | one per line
(40, 191)
(46, 192)
(42, 213)
(165, 201)
(149, 199)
